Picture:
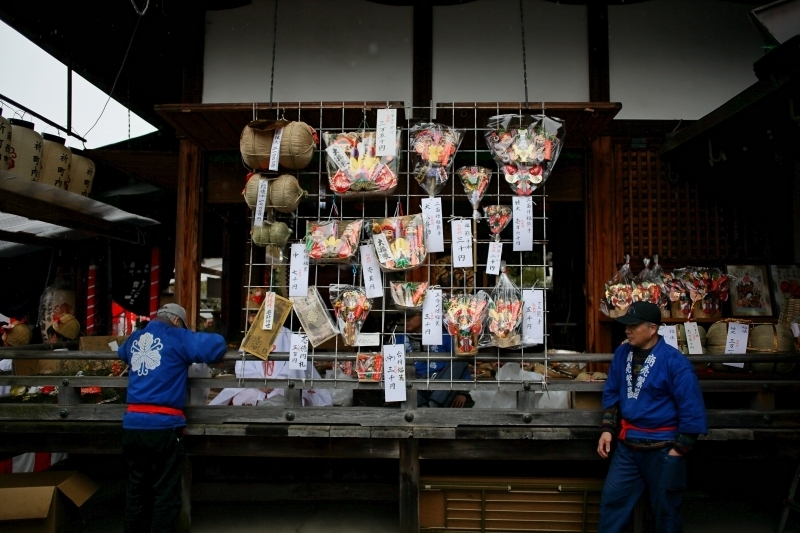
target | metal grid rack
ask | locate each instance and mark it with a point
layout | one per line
(266, 268)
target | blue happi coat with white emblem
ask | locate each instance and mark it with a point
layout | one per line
(159, 357)
(665, 394)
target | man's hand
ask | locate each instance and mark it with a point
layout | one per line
(675, 453)
(604, 444)
(459, 401)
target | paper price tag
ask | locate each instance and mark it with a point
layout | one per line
(298, 353)
(693, 338)
(538, 316)
(432, 318)
(261, 202)
(462, 243)
(670, 334)
(386, 133)
(382, 247)
(533, 316)
(736, 342)
(373, 278)
(394, 372)
(298, 271)
(795, 329)
(338, 157)
(368, 339)
(523, 223)
(432, 215)
(275, 151)
(269, 310)
(494, 258)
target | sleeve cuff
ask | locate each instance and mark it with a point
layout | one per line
(685, 442)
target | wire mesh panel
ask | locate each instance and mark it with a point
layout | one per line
(267, 267)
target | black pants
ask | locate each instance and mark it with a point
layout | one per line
(155, 467)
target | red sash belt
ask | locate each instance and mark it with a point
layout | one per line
(627, 425)
(154, 409)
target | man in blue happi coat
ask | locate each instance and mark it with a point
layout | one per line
(653, 399)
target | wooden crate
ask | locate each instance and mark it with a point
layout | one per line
(509, 504)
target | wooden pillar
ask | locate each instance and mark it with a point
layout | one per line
(187, 230)
(422, 78)
(603, 239)
(597, 18)
(409, 485)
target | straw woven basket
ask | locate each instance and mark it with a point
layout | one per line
(682, 334)
(771, 338)
(285, 194)
(55, 163)
(250, 192)
(277, 234)
(297, 144)
(19, 335)
(81, 175)
(715, 342)
(789, 311)
(5, 141)
(26, 150)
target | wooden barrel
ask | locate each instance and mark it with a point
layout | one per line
(55, 163)
(26, 150)
(296, 150)
(5, 141)
(82, 174)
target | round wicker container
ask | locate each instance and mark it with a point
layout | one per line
(285, 194)
(771, 338)
(297, 144)
(5, 141)
(715, 342)
(18, 335)
(56, 161)
(26, 150)
(277, 234)
(682, 335)
(250, 192)
(81, 175)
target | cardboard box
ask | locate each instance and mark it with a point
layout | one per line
(42, 502)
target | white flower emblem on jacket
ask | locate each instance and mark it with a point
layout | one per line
(146, 354)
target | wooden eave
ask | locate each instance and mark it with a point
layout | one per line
(217, 127)
(156, 168)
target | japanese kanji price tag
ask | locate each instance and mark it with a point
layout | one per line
(494, 258)
(432, 318)
(269, 310)
(298, 353)
(533, 316)
(338, 157)
(261, 202)
(693, 338)
(368, 339)
(275, 151)
(736, 341)
(386, 133)
(670, 334)
(432, 215)
(373, 278)
(523, 223)
(462, 243)
(382, 247)
(298, 271)
(394, 372)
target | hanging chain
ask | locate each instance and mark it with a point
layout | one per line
(274, 42)
(524, 57)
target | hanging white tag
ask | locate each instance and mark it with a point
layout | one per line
(795, 329)
(386, 133)
(523, 223)
(432, 215)
(261, 202)
(298, 353)
(394, 372)
(269, 310)
(538, 316)
(494, 258)
(670, 334)
(368, 339)
(275, 151)
(462, 243)
(532, 316)
(736, 341)
(382, 247)
(373, 277)
(298, 271)
(693, 338)
(338, 157)
(432, 318)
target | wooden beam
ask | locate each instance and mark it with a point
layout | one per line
(599, 81)
(23, 237)
(156, 168)
(409, 485)
(187, 230)
(422, 77)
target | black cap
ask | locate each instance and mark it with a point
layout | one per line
(640, 312)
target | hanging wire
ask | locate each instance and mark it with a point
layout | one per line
(136, 8)
(274, 43)
(524, 57)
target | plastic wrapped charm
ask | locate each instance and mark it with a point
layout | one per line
(399, 242)
(351, 307)
(435, 146)
(332, 241)
(353, 168)
(464, 315)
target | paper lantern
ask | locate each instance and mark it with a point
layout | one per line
(277, 234)
(25, 154)
(296, 150)
(55, 163)
(81, 174)
(5, 141)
